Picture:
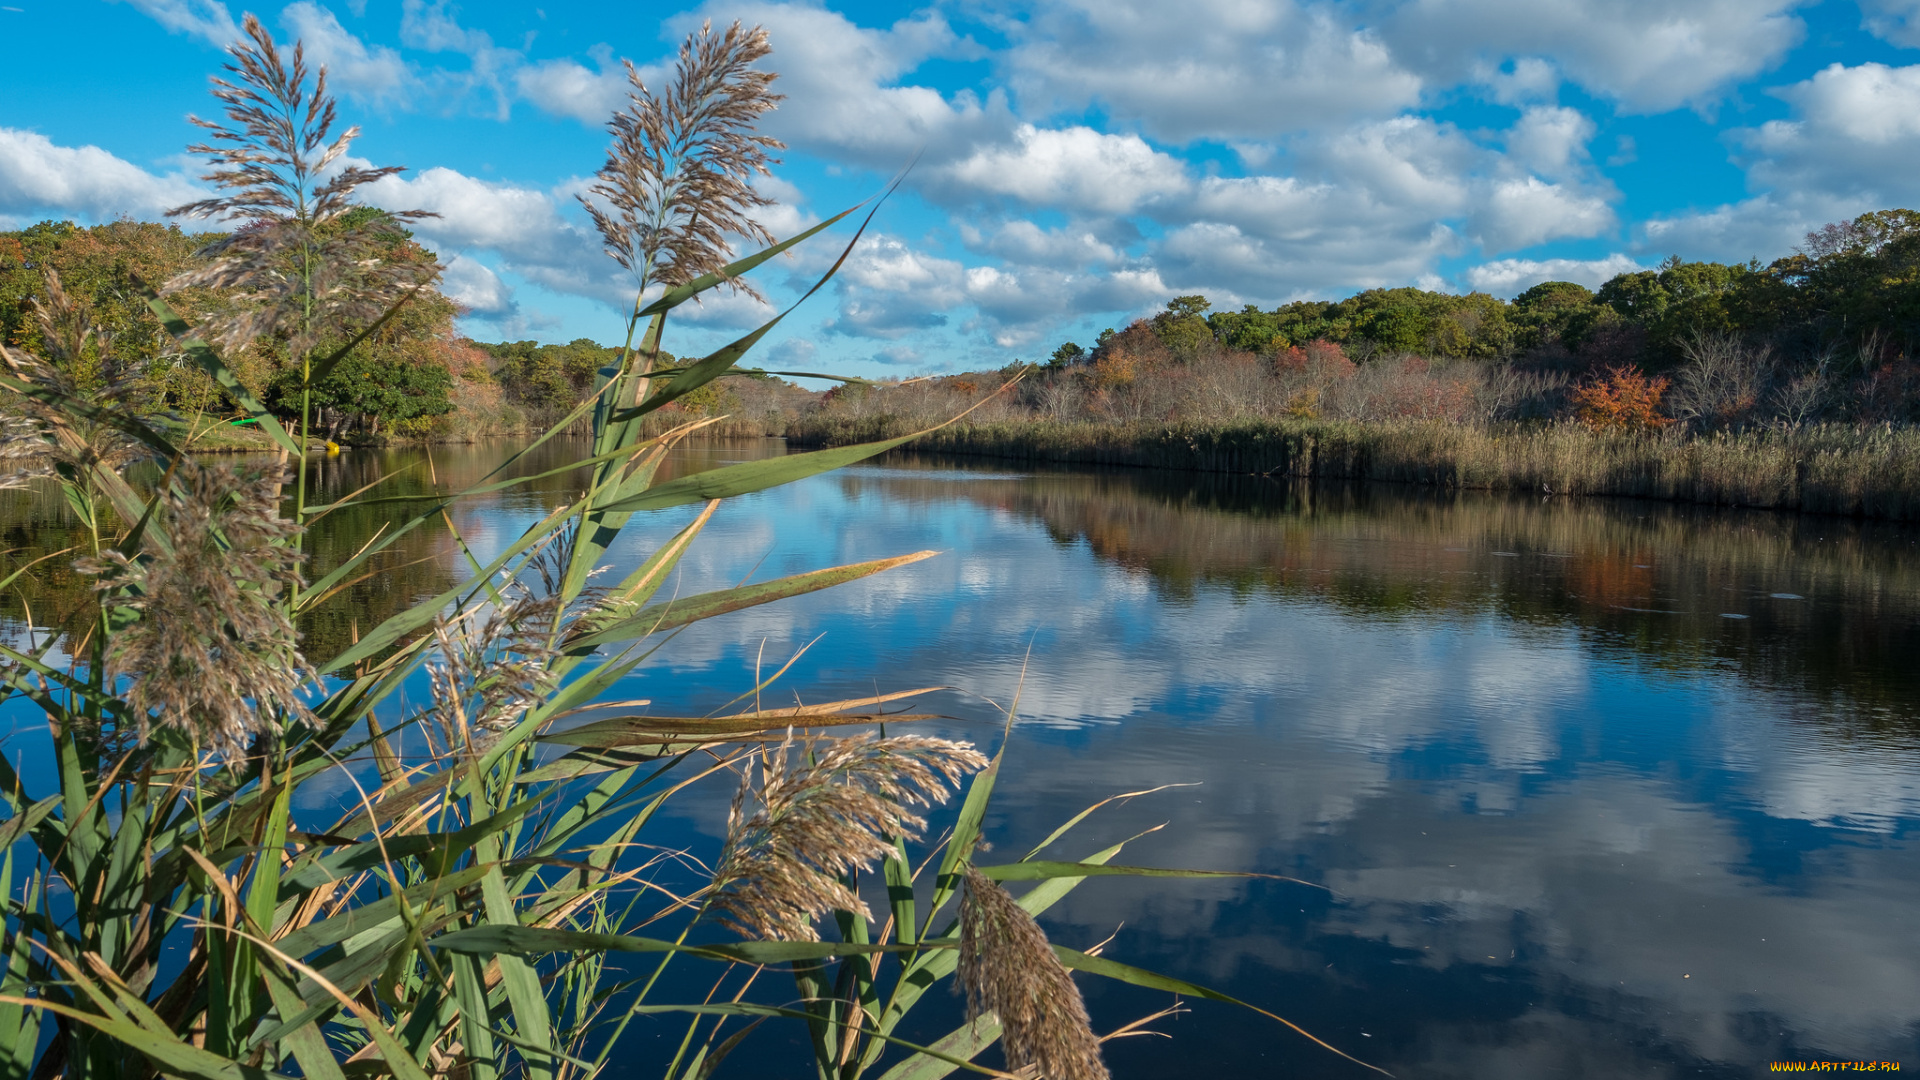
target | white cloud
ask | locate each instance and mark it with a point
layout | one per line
(1524, 80)
(1897, 21)
(208, 20)
(1857, 129)
(373, 74)
(1524, 212)
(37, 176)
(566, 88)
(428, 25)
(1510, 277)
(840, 81)
(1077, 169)
(1550, 141)
(471, 284)
(1764, 227)
(889, 290)
(1208, 68)
(1852, 145)
(1022, 241)
(1649, 55)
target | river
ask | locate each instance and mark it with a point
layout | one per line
(1582, 788)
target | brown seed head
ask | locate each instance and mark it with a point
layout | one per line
(298, 265)
(678, 179)
(213, 651)
(492, 668)
(1006, 967)
(36, 435)
(837, 808)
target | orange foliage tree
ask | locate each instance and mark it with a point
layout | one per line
(1623, 398)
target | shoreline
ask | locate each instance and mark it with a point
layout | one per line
(1846, 471)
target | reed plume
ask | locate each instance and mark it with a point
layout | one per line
(212, 651)
(1007, 968)
(38, 437)
(837, 808)
(492, 668)
(678, 179)
(301, 263)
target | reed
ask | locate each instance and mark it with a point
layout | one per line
(1828, 469)
(175, 906)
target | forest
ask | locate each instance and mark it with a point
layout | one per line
(1822, 335)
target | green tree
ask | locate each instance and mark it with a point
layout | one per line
(98, 268)
(1182, 327)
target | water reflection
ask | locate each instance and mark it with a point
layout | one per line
(1572, 819)
(1575, 821)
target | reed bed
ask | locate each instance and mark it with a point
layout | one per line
(231, 857)
(1828, 469)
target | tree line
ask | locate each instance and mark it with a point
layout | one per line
(400, 379)
(1843, 311)
(415, 375)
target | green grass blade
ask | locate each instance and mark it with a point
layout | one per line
(216, 367)
(751, 476)
(173, 1056)
(494, 940)
(308, 1045)
(674, 297)
(1041, 870)
(621, 732)
(476, 1024)
(530, 1017)
(746, 1009)
(681, 611)
(1127, 973)
(964, 1043)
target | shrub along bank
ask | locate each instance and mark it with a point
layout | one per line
(1830, 469)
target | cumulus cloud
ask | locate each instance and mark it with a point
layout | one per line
(1897, 21)
(888, 290)
(1521, 81)
(38, 176)
(1211, 68)
(1856, 129)
(1075, 168)
(566, 88)
(1649, 55)
(1551, 141)
(1022, 241)
(208, 20)
(1851, 145)
(373, 74)
(1523, 212)
(844, 100)
(474, 286)
(1379, 204)
(1510, 277)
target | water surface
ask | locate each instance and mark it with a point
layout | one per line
(1584, 789)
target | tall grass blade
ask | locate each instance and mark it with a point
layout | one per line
(216, 367)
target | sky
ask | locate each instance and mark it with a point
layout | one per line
(1075, 163)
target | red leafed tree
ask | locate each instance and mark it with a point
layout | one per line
(1623, 398)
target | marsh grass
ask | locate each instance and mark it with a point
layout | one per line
(1827, 469)
(174, 906)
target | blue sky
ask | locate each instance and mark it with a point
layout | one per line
(1080, 161)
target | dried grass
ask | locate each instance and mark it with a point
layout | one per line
(678, 179)
(1007, 968)
(213, 652)
(838, 807)
(297, 266)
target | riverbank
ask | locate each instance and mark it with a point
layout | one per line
(1866, 472)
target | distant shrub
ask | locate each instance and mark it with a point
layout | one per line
(1623, 398)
